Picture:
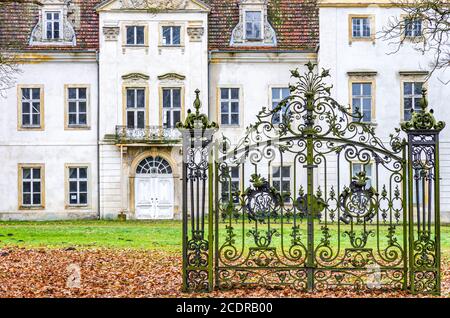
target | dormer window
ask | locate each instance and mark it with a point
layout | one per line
(53, 25)
(253, 25)
(254, 28)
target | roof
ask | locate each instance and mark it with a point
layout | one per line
(296, 23)
(17, 20)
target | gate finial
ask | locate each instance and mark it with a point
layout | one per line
(196, 119)
(423, 119)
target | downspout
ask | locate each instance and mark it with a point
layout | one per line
(98, 137)
(209, 82)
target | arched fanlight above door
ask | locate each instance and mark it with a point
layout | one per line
(154, 165)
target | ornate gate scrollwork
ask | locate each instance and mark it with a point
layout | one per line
(424, 201)
(262, 200)
(197, 214)
(358, 202)
(312, 199)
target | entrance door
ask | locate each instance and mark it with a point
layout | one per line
(154, 195)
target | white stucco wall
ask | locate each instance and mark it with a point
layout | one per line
(255, 74)
(189, 60)
(338, 55)
(54, 146)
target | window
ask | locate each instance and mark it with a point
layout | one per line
(413, 27)
(135, 107)
(154, 165)
(281, 180)
(229, 106)
(77, 99)
(367, 168)
(78, 186)
(253, 25)
(361, 27)
(233, 177)
(31, 185)
(171, 35)
(362, 100)
(278, 94)
(412, 95)
(52, 24)
(135, 35)
(171, 107)
(30, 114)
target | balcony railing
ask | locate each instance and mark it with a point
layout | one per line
(149, 134)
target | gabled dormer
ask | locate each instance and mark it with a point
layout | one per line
(55, 26)
(253, 28)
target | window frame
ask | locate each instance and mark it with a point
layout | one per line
(135, 35)
(86, 126)
(20, 168)
(161, 102)
(61, 23)
(261, 26)
(171, 24)
(240, 106)
(20, 126)
(134, 24)
(281, 179)
(372, 176)
(239, 179)
(127, 86)
(356, 77)
(411, 38)
(271, 99)
(67, 168)
(172, 27)
(413, 96)
(413, 30)
(370, 38)
(361, 96)
(409, 77)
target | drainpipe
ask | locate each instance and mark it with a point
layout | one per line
(98, 137)
(209, 82)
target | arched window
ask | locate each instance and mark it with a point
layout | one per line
(154, 165)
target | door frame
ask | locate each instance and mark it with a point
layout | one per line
(157, 177)
(163, 152)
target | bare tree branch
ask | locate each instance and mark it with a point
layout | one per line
(435, 30)
(9, 68)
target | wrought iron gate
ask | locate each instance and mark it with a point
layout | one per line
(311, 198)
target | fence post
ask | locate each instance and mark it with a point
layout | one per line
(197, 200)
(423, 200)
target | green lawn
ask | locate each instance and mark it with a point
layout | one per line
(164, 235)
(160, 235)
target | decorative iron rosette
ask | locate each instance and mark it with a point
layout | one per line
(357, 201)
(262, 200)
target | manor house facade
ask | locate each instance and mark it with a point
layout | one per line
(88, 130)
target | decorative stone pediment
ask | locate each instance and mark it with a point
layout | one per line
(70, 17)
(153, 6)
(171, 77)
(268, 34)
(135, 78)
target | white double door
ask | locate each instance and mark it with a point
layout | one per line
(154, 196)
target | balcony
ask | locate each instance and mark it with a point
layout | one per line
(147, 135)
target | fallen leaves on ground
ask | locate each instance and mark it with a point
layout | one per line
(126, 273)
